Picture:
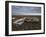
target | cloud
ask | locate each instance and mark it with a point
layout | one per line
(16, 10)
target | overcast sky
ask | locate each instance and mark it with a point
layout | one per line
(25, 10)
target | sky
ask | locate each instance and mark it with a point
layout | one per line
(25, 10)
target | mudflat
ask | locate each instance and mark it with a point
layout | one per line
(30, 23)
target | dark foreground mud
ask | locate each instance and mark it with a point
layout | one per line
(27, 25)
